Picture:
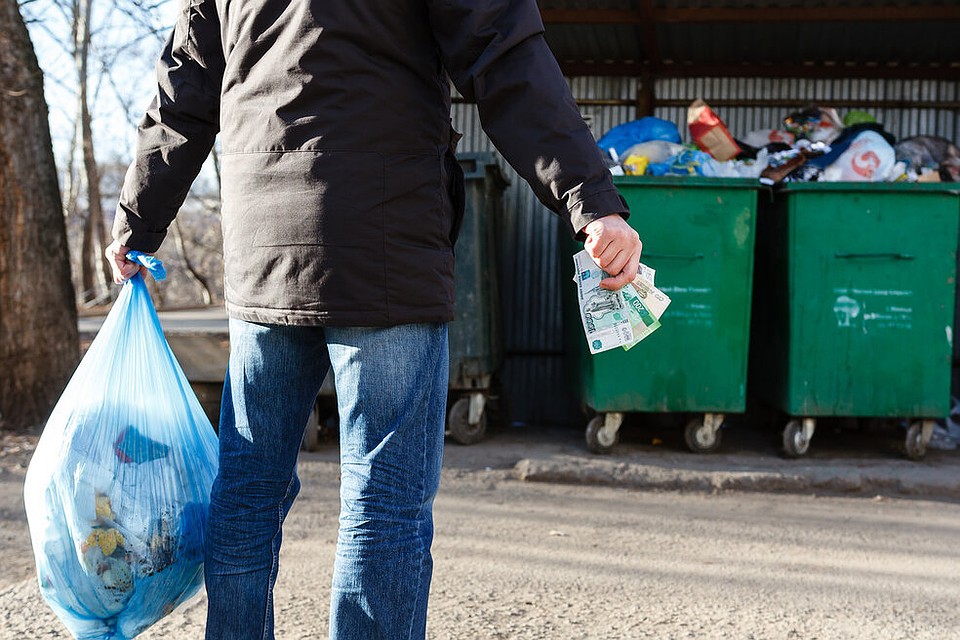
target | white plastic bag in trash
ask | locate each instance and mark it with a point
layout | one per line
(869, 158)
(736, 168)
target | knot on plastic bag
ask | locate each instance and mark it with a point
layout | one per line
(153, 264)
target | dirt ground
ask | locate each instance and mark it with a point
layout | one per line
(555, 561)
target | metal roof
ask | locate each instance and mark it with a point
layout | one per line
(755, 38)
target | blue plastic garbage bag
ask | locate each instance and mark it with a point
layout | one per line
(689, 162)
(625, 135)
(117, 492)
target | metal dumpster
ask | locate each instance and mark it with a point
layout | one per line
(476, 336)
(698, 234)
(855, 305)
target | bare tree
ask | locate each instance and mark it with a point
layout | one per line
(87, 32)
(38, 320)
(206, 291)
(98, 42)
(95, 272)
(210, 206)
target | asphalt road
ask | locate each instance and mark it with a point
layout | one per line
(562, 561)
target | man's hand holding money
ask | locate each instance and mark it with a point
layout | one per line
(615, 247)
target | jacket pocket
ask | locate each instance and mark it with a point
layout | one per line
(304, 198)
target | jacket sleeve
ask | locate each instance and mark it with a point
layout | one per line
(177, 131)
(496, 55)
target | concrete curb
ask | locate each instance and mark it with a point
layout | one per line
(914, 480)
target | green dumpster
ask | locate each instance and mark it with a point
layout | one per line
(698, 233)
(476, 336)
(855, 305)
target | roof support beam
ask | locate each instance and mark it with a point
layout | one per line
(634, 68)
(590, 16)
(918, 13)
(833, 102)
(924, 13)
(651, 47)
(789, 103)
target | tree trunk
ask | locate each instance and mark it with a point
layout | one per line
(71, 214)
(97, 277)
(98, 230)
(206, 292)
(38, 318)
(88, 270)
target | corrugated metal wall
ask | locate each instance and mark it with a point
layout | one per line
(530, 266)
(902, 121)
(527, 233)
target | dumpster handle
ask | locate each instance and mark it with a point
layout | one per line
(895, 256)
(674, 256)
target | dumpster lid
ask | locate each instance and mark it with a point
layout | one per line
(872, 187)
(693, 182)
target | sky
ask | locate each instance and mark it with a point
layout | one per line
(120, 96)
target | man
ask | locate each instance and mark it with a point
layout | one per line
(341, 204)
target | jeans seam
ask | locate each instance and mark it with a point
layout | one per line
(425, 436)
(275, 560)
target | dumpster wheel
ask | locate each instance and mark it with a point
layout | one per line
(918, 437)
(702, 434)
(603, 432)
(458, 423)
(796, 437)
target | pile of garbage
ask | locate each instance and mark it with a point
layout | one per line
(815, 144)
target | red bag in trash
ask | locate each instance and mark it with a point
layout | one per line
(710, 133)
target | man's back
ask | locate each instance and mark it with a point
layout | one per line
(332, 75)
(341, 196)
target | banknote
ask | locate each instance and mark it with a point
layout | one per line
(617, 318)
(654, 299)
(604, 314)
(642, 319)
(645, 275)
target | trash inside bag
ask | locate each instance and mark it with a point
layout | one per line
(117, 492)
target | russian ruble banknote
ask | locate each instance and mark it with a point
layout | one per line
(605, 317)
(645, 275)
(617, 318)
(654, 299)
(642, 320)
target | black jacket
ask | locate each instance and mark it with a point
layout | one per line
(341, 196)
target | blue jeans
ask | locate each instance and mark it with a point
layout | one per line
(391, 390)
